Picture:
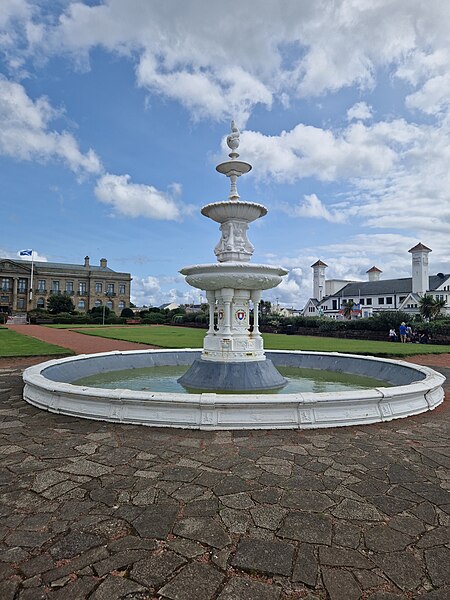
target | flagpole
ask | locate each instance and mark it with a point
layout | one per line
(31, 282)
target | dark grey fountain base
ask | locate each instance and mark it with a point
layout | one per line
(232, 376)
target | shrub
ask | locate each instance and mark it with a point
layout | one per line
(127, 313)
(154, 319)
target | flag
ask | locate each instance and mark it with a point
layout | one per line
(26, 253)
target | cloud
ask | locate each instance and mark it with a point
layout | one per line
(154, 291)
(139, 200)
(313, 207)
(360, 111)
(25, 132)
(310, 48)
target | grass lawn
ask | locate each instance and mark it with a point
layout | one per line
(185, 337)
(16, 344)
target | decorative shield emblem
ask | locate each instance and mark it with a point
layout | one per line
(240, 315)
(220, 315)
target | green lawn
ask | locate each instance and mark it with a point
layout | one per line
(16, 344)
(185, 337)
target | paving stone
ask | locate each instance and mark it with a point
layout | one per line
(381, 538)
(264, 556)
(440, 594)
(435, 537)
(360, 511)
(113, 588)
(425, 512)
(346, 534)
(236, 521)
(86, 467)
(153, 571)
(185, 474)
(38, 564)
(402, 568)
(314, 528)
(368, 579)
(407, 524)
(343, 557)
(118, 561)
(438, 565)
(268, 517)
(156, 521)
(28, 539)
(385, 596)
(239, 588)
(340, 584)
(186, 547)
(239, 501)
(391, 506)
(231, 485)
(306, 500)
(306, 565)
(131, 542)
(76, 564)
(203, 529)
(266, 495)
(202, 508)
(75, 590)
(8, 589)
(197, 580)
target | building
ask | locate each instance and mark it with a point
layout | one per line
(88, 285)
(376, 294)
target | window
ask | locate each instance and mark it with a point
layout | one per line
(110, 289)
(311, 309)
(335, 304)
(122, 288)
(369, 301)
(98, 288)
(81, 304)
(361, 300)
(4, 299)
(41, 303)
(69, 286)
(5, 284)
(41, 285)
(82, 287)
(97, 303)
(55, 286)
(121, 305)
(22, 286)
(109, 304)
(380, 300)
(389, 300)
(402, 299)
(21, 304)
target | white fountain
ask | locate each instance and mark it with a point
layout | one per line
(233, 355)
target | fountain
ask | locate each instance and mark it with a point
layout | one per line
(233, 355)
(230, 382)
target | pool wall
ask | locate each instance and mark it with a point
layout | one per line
(416, 389)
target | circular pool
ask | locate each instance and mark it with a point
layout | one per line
(407, 390)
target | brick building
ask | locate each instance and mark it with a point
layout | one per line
(88, 285)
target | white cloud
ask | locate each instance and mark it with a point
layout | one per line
(360, 111)
(139, 200)
(223, 63)
(25, 132)
(313, 207)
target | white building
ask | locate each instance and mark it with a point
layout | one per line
(378, 294)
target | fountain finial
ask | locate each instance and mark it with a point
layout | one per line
(233, 140)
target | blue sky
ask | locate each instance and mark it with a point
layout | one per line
(113, 116)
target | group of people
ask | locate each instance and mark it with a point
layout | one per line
(407, 335)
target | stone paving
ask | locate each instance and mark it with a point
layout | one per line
(105, 512)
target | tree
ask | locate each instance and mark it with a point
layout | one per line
(127, 313)
(265, 307)
(347, 308)
(99, 311)
(429, 307)
(60, 303)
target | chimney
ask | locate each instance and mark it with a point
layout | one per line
(103, 263)
(319, 279)
(374, 273)
(420, 278)
(86, 262)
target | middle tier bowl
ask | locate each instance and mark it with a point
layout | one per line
(242, 211)
(234, 275)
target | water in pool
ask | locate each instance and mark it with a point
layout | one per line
(164, 379)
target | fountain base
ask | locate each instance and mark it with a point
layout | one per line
(232, 376)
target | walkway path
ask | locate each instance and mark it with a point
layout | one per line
(79, 343)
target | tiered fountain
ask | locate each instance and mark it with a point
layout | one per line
(226, 381)
(233, 354)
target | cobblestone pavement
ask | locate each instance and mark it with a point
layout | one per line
(101, 511)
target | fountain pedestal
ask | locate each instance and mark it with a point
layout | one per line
(233, 352)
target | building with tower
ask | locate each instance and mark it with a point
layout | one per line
(376, 294)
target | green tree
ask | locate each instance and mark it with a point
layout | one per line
(347, 308)
(127, 313)
(438, 306)
(60, 303)
(265, 307)
(429, 307)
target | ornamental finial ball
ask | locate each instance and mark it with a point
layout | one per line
(233, 138)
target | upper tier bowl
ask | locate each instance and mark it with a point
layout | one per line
(230, 209)
(236, 275)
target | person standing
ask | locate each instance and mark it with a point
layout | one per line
(402, 330)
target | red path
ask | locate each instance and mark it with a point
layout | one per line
(79, 343)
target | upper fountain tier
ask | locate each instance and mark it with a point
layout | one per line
(234, 215)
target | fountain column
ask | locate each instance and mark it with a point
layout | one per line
(233, 357)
